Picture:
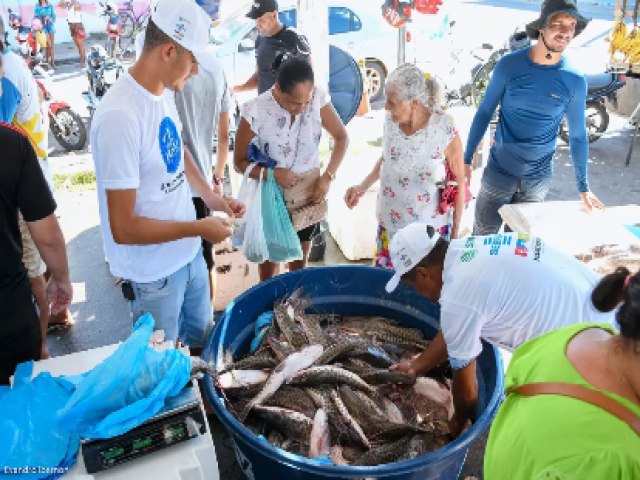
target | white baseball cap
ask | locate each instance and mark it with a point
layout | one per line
(185, 22)
(407, 247)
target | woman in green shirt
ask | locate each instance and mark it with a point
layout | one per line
(553, 437)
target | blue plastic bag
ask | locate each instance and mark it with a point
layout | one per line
(126, 389)
(30, 435)
(282, 240)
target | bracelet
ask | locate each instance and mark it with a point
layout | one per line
(217, 180)
(331, 175)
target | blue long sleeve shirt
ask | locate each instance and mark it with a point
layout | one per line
(533, 99)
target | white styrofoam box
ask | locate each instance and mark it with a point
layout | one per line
(354, 230)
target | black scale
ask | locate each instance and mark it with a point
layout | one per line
(180, 419)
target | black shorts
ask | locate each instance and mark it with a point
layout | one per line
(202, 211)
(307, 234)
(20, 335)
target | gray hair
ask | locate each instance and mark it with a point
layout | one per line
(409, 82)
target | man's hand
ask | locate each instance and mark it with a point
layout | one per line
(285, 177)
(353, 194)
(416, 366)
(44, 351)
(59, 294)
(467, 173)
(591, 201)
(237, 208)
(214, 229)
(321, 189)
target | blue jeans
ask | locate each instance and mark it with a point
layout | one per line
(179, 303)
(497, 190)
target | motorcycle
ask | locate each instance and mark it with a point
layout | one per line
(65, 124)
(29, 37)
(112, 44)
(102, 73)
(599, 87)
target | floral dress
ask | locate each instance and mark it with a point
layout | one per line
(412, 166)
(293, 146)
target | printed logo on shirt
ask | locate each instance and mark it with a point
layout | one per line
(521, 245)
(469, 253)
(537, 249)
(170, 145)
(496, 241)
(555, 95)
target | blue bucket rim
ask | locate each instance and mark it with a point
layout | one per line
(235, 427)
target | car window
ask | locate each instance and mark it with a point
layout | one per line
(339, 20)
(229, 28)
(289, 18)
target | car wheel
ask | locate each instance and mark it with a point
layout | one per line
(375, 80)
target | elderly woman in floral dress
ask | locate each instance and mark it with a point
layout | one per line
(420, 144)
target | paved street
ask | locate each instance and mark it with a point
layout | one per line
(99, 310)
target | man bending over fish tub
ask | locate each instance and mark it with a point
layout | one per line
(505, 289)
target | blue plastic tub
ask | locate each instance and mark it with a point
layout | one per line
(349, 290)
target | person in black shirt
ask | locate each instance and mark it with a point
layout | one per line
(23, 187)
(274, 39)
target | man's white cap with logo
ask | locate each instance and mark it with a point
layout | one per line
(185, 22)
(407, 247)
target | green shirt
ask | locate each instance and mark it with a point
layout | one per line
(550, 437)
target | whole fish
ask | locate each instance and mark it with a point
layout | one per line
(283, 372)
(387, 453)
(319, 441)
(253, 362)
(289, 422)
(349, 421)
(361, 407)
(330, 375)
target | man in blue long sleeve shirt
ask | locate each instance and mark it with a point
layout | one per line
(535, 88)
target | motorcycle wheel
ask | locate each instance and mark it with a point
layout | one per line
(73, 135)
(597, 119)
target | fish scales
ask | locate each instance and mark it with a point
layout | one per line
(288, 327)
(292, 399)
(349, 420)
(381, 377)
(310, 327)
(330, 375)
(289, 422)
(384, 454)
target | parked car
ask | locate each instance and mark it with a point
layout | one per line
(355, 26)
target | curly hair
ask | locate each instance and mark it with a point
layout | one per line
(410, 82)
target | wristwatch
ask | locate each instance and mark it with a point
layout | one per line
(331, 175)
(217, 180)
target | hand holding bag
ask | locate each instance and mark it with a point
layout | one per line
(297, 199)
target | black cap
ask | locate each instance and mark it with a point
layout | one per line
(260, 7)
(554, 7)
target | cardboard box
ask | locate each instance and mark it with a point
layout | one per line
(234, 274)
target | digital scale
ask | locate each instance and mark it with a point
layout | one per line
(180, 419)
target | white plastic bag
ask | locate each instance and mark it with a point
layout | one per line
(249, 235)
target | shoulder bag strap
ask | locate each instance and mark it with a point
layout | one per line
(581, 393)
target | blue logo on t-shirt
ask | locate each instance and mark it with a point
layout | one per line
(170, 144)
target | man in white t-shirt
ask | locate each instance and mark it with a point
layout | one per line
(149, 226)
(504, 289)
